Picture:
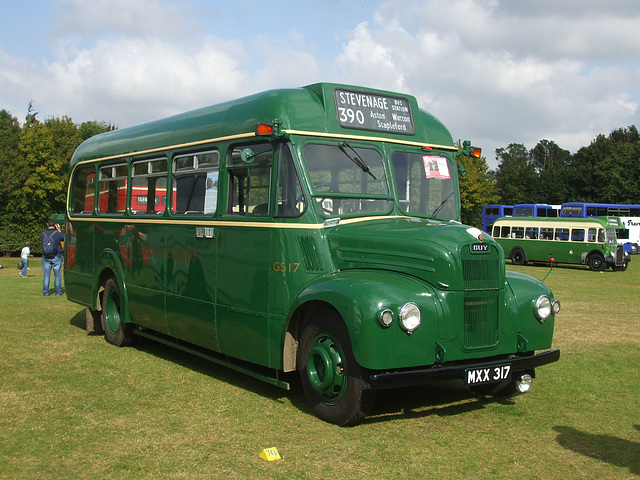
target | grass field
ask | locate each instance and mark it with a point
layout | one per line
(73, 406)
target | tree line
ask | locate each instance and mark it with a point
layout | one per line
(34, 161)
(34, 169)
(606, 171)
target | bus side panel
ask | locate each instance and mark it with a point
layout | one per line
(191, 285)
(144, 253)
(78, 277)
(244, 265)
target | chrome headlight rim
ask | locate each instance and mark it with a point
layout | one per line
(409, 317)
(542, 308)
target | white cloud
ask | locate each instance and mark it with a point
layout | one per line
(499, 73)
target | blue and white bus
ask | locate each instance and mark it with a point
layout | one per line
(536, 210)
(492, 212)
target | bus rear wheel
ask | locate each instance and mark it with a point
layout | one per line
(116, 331)
(332, 381)
(518, 257)
(596, 262)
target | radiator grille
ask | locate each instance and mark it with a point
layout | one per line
(481, 274)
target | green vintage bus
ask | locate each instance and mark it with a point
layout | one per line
(313, 230)
(579, 241)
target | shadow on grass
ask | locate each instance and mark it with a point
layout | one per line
(442, 399)
(606, 448)
(198, 364)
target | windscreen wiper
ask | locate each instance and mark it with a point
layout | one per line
(356, 159)
(433, 215)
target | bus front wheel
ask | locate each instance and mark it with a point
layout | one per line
(332, 381)
(116, 331)
(596, 262)
(518, 257)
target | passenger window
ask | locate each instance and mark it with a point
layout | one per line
(601, 237)
(496, 232)
(546, 234)
(112, 192)
(577, 235)
(84, 190)
(195, 184)
(531, 233)
(506, 232)
(149, 187)
(562, 234)
(250, 179)
(517, 232)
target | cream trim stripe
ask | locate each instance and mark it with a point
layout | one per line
(227, 223)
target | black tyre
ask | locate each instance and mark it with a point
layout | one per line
(596, 262)
(621, 268)
(115, 331)
(518, 257)
(332, 381)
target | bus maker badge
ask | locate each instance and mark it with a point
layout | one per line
(479, 248)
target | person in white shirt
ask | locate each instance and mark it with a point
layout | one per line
(24, 256)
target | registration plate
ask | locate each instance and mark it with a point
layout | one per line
(478, 376)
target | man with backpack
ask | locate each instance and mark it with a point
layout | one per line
(52, 257)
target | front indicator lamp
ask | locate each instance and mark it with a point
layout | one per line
(556, 306)
(386, 318)
(409, 317)
(542, 308)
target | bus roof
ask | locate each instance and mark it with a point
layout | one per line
(605, 222)
(312, 108)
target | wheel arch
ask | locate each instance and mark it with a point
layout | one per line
(110, 266)
(358, 298)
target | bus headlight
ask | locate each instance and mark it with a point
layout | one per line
(409, 317)
(542, 308)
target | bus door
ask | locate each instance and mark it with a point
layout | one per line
(190, 249)
(244, 261)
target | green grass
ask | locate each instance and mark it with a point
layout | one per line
(73, 406)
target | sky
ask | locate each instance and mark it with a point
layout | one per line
(495, 72)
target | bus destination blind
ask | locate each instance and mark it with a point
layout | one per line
(378, 113)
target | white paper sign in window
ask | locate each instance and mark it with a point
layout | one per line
(436, 167)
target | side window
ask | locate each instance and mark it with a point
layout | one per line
(601, 237)
(249, 170)
(592, 235)
(496, 231)
(291, 201)
(112, 189)
(505, 233)
(546, 234)
(562, 234)
(149, 186)
(517, 232)
(577, 234)
(531, 233)
(194, 189)
(83, 190)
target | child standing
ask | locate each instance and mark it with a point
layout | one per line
(24, 256)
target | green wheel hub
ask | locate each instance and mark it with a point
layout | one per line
(112, 312)
(326, 368)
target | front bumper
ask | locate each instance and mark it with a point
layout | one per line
(413, 377)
